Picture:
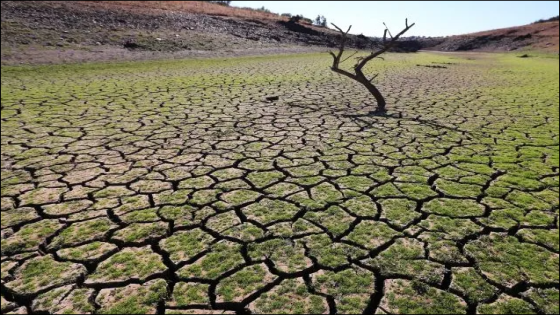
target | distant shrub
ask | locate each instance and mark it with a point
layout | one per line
(321, 20)
(263, 9)
(226, 3)
(301, 19)
(552, 19)
(306, 21)
(296, 18)
(289, 15)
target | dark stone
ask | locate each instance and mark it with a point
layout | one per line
(272, 98)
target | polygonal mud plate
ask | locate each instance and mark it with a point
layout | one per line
(546, 238)
(472, 285)
(546, 299)
(238, 197)
(150, 186)
(406, 257)
(131, 203)
(129, 263)
(132, 299)
(244, 232)
(454, 207)
(223, 221)
(506, 305)
(88, 252)
(78, 233)
(362, 206)
(41, 273)
(287, 256)
(141, 233)
(188, 294)
(371, 234)
(197, 182)
(223, 256)
(450, 188)
(113, 192)
(416, 191)
(7, 267)
(185, 215)
(452, 229)
(66, 208)
(65, 300)
(351, 288)
(406, 297)
(331, 254)
(208, 311)
(325, 193)
(334, 219)
(442, 250)
(289, 229)
(227, 174)
(204, 196)
(289, 297)
(263, 179)
(400, 212)
(268, 210)
(243, 283)
(7, 306)
(42, 196)
(21, 310)
(282, 189)
(505, 260)
(18, 216)
(170, 197)
(30, 236)
(184, 245)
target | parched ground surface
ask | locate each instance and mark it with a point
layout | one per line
(174, 187)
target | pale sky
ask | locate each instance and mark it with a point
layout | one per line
(433, 18)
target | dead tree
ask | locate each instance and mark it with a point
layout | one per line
(377, 50)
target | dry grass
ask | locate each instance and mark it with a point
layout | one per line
(200, 7)
(182, 6)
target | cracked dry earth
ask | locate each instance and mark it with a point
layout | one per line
(172, 187)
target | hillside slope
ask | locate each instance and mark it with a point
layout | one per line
(537, 36)
(54, 31)
(78, 31)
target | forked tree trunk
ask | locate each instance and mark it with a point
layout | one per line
(374, 91)
(358, 75)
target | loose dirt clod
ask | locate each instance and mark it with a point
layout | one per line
(272, 98)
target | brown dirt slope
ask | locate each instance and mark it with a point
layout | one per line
(56, 31)
(81, 31)
(537, 36)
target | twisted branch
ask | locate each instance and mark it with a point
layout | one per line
(362, 61)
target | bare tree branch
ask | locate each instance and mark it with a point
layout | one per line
(384, 49)
(349, 56)
(362, 61)
(387, 30)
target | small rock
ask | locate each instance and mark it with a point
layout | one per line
(272, 98)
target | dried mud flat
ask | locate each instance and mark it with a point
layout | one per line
(175, 187)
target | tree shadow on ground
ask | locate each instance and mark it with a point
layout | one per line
(363, 121)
